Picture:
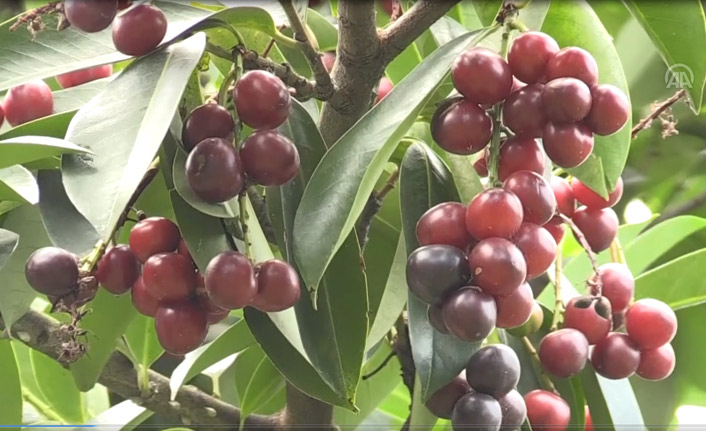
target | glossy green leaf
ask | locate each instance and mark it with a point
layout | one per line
(420, 418)
(23, 149)
(486, 10)
(8, 244)
(257, 380)
(125, 132)
(57, 388)
(575, 24)
(612, 402)
(124, 416)
(141, 337)
(18, 184)
(11, 405)
(342, 182)
(53, 126)
(679, 282)
(664, 22)
(325, 32)
(73, 99)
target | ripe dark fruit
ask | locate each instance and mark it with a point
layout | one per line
(444, 224)
(532, 325)
(52, 271)
(183, 250)
(482, 76)
(494, 213)
(479, 410)
(547, 411)
(592, 199)
(442, 402)
(616, 356)
(610, 110)
(563, 353)
(181, 326)
(470, 314)
(118, 270)
(73, 79)
(618, 285)
(460, 126)
(515, 308)
(214, 313)
(497, 266)
(573, 62)
(207, 121)
(536, 195)
(169, 277)
(523, 112)
(568, 145)
(493, 370)
(230, 280)
(529, 54)
(436, 319)
(270, 158)
(434, 271)
(28, 102)
(214, 170)
(598, 226)
(564, 195)
(566, 100)
(520, 154)
(90, 15)
(139, 30)
(556, 229)
(514, 410)
(384, 88)
(153, 235)
(277, 286)
(656, 364)
(142, 300)
(650, 323)
(590, 315)
(262, 100)
(537, 246)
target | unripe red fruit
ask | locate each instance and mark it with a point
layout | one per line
(434, 271)
(564, 195)
(590, 315)
(538, 248)
(523, 112)
(2, 116)
(118, 270)
(470, 314)
(28, 102)
(207, 121)
(181, 326)
(139, 30)
(618, 285)
(270, 158)
(90, 15)
(142, 299)
(278, 286)
(515, 308)
(616, 356)
(262, 100)
(73, 79)
(481, 411)
(598, 226)
(481, 166)
(442, 402)
(214, 313)
(532, 325)
(460, 126)
(328, 58)
(563, 353)
(588, 426)
(536, 195)
(568, 145)
(493, 370)
(214, 170)
(514, 410)
(183, 250)
(520, 154)
(482, 76)
(494, 213)
(384, 88)
(52, 271)
(610, 110)
(555, 227)
(573, 62)
(444, 224)
(657, 364)
(529, 54)
(497, 266)
(230, 280)
(547, 411)
(153, 235)
(566, 100)
(169, 277)
(592, 199)
(650, 323)
(435, 317)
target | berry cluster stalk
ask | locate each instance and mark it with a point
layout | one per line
(494, 162)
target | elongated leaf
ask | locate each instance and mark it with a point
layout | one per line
(612, 402)
(125, 132)
(11, 406)
(23, 149)
(663, 21)
(679, 283)
(125, 416)
(342, 182)
(58, 388)
(141, 337)
(257, 381)
(8, 244)
(17, 184)
(73, 99)
(420, 418)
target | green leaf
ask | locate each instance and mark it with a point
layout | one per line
(23, 149)
(72, 99)
(257, 380)
(125, 132)
(664, 21)
(612, 402)
(424, 182)
(57, 388)
(53, 126)
(679, 282)
(8, 244)
(486, 10)
(325, 32)
(18, 184)
(141, 337)
(420, 418)
(121, 417)
(343, 181)
(575, 24)
(11, 405)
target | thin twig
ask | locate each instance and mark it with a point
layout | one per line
(373, 206)
(558, 301)
(242, 202)
(545, 380)
(268, 48)
(380, 367)
(260, 206)
(657, 111)
(596, 285)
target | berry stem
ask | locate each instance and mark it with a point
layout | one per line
(616, 251)
(598, 285)
(544, 378)
(494, 162)
(242, 201)
(658, 110)
(558, 301)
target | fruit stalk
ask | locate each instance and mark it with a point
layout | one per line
(545, 380)
(494, 162)
(584, 243)
(616, 251)
(242, 201)
(558, 301)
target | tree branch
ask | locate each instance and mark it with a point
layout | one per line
(657, 111)
(304, 412)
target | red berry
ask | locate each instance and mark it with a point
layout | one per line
(532, 325)
(230, 280)
(442, 402)
(262, 100)
(497, 266)
(181, 326)
(52, 271)
(493, 370)
(142, 299)
(28, 102)
(616, 356)
(564, 195)
(598, 226)
(153, 235)
(590, 315)
(434, 271)
(328, 58)
(494, 213)
(618, 285)
(610, 110)
(278, 286)
(183, 250)
(214, 313)
(207, 121)
(124, 4)
(573, 62)
(481, 166)
(269, 158)
(563, 353)
(588, 421)
(139, 30)
(169, 277)
(118, 270)
(656, 364)
(520, 154)
(2, 119)
(444, 224)
(592, 199)
(536, 195)
(470, 314)
(523, 112)
(547, 411)
(90, 15)
(480, 411)
(435, 317)
(214, 170)
(482, 76)
(529, 54)
(568, 145)
(461, 127)
(515, 308)
(384, 88)
(73, 79)
(566, 100)
(555, 227)
(537, 246)
(514, 410)
(650, 323)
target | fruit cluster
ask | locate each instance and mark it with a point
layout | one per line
(485, 398)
